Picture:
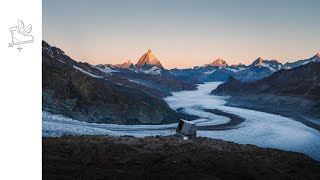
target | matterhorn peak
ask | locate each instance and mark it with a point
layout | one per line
(317, 55)
(149, 59)
(218, 62)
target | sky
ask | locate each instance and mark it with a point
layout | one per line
(183, 33)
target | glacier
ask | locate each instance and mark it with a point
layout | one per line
(260, 128)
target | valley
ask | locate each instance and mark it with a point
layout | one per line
(148, 100)
(259, 128)
(177, 89)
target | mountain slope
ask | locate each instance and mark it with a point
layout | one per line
(303, 81)
(292, 91)
(252, 73)
(273, 65)
(315, 58)
(79, 94)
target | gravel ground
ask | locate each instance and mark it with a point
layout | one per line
(103, 157)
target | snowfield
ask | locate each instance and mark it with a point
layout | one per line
(259, 128)
(86, 72)
(153, 70)
(105, 69)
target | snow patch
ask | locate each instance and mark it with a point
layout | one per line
(61, 61)
(306, 62)
(233, 70)
(106, 69)
(268, 66)
(210, 72)
(153, 70)
(137, 82)
(86, 72)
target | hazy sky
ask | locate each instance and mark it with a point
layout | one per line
(183, 33)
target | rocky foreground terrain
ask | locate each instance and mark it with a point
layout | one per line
(102, 157)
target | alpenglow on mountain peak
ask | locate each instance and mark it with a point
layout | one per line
(149, 59)
(218, 62)
(127, 64)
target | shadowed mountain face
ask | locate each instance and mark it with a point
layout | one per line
(219, 70)
(297, 89)
(315, 58)
(80, 92)
(274, 65)
(303, 81)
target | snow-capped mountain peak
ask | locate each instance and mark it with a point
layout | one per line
(218, 62)
(149, 59)
(273, 65)
(315, 58)
(106, 68)
(258, 62)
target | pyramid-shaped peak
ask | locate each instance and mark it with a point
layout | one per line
(258, 62)
(317, 55)
(149, 59)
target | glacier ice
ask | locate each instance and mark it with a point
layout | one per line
(259, 128)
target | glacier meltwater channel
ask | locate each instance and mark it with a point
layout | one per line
(259, 128)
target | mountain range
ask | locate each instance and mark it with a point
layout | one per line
(133, 93)
(80, 91)
(288, 91)
(300, 81)
(217, 70)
